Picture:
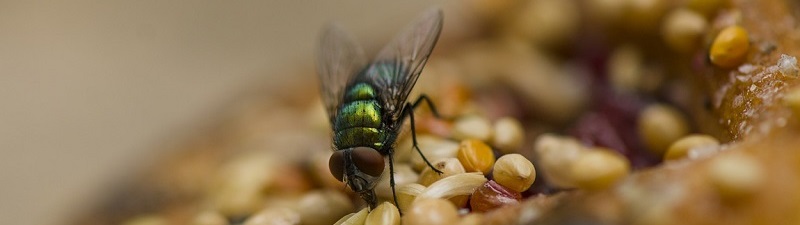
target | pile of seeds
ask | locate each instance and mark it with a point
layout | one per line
(599, 107)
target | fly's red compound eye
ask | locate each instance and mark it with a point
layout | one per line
(336, 165)
(368, 160)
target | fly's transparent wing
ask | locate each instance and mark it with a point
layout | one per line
(397, 67)
(339, 59)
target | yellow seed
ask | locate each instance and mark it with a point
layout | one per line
(322, 172)
(274, 216)
(707, 7)
(472, 127)
(680, 148)
(324, 207)
(599, 169)
(508, 135)
(660, 125)
(492, 8)
(730, 47)
(683, 30)
(605, 11)
(209, 218)
(238, 187)
(448, 167)
(452, 186)
(434, 148)
(384, 214)
(475, 156)
(403, 174)
(406, 194)
(358, 218)
(472, 219)
(736, 175)
(515, 172)
(792, 100)
(646, 15)
(147, 220)
(625, 69)
(546, 22)
(460, 201)
(432, 211)
(556, 156)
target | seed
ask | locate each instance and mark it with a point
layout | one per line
(282, 201)
(515, 172)
(558, 93)
(508, 135)
(324, 207)
(456, 185)
(660, 125)
(680, 149)
(736, 175)
(625, 69)
(403, 174)
(322, 172)
(384, 214)
(683, 30)
(434, 148)
(147, 220)
(645, 15)
(606, 11)
(209, 218)
(546, 22)
(475, 156)
(432, 211)
(707, 7)
(491, 195)
(406, 194)
(460, 201)
(599, 169)
(238, 187)
(358, 218)
(492, 8)
(472, 219)
(292, 180)
(556, 155)
(449, 167)
(730, 47)
(274, 216)
(792, 100)
(472, 127)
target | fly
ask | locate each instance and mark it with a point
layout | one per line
(366, 102)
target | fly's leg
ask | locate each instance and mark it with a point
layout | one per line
(409, 111)
(391, 181)
(427, 100)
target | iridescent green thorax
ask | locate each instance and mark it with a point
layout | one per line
(358, 120)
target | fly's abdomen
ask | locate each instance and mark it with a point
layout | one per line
(361, 113)
(358, 121)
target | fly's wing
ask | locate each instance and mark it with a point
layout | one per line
(338, 60)
(398, 65)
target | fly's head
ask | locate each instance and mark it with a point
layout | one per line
(360, 168)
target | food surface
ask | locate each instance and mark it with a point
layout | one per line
(563, 112)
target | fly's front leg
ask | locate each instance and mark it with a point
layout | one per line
(391, 182)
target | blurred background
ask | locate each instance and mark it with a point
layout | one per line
(92, 90)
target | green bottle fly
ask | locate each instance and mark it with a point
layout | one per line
(366, 102)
